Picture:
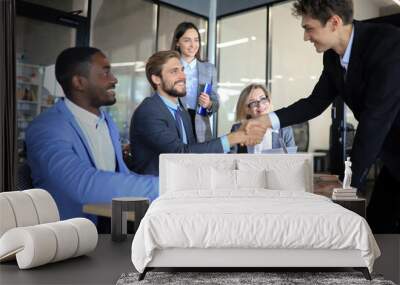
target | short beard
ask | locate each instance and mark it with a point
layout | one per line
(173, 92)
(110, 103)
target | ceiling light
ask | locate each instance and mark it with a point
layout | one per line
(233, 43)
(258, 80)
(230, 84)
(128, 63)
(120, 64)
(397, 2)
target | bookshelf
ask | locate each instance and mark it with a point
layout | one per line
(31, 99)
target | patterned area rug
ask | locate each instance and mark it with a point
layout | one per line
(270, 278)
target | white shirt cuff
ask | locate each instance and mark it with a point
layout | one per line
(276, 124)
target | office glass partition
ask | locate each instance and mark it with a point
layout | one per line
(125, 31)
(295, 69)
(38, 44)
(241, 51)
(169, 18)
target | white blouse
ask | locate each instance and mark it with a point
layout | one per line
(265, 144)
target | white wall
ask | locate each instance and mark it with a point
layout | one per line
(365, 9)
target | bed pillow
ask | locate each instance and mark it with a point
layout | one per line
(283, 172)
(183, 177)
(292, 179)
(251, 179)
(223, 179)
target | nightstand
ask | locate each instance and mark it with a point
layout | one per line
(357, 205)
(120, 208)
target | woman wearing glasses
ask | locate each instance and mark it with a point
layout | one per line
(187, 42)
(255, 100)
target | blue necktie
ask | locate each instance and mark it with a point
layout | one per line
(178, 122)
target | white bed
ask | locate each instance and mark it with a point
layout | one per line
(247, 211)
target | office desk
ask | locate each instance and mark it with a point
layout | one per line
(102, 266)
(103, 210)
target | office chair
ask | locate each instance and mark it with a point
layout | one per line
(301, 134)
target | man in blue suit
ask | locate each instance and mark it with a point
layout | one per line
(161, 125)
(73, 148)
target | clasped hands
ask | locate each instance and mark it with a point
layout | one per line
(252, 131)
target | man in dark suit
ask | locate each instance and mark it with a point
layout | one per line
(160, 124)
(362, 66)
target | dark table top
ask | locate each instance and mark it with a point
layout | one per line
(104, 265)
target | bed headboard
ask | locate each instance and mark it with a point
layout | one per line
(197, 170)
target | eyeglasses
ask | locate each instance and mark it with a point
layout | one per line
(263, 101)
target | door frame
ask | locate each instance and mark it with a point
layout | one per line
(54, 16)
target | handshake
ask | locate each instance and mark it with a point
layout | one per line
(251, 132)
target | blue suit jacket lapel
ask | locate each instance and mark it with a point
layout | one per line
(63, 109)
(114, 134)
(166, 113)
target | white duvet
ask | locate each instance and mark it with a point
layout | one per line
(250, 219)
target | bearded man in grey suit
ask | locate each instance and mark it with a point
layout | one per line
(160, 124)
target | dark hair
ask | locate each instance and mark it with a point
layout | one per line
(155, 63)
(73, 61)
(323, 10)
(179, 31)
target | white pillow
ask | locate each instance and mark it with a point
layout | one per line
(291, 179)
(223, 179)
(184, 177)
(283, 172)
(251, 179)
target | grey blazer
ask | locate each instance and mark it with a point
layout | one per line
(207, 74)
(153, 131)
(286, 133)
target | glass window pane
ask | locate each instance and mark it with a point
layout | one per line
(295, 71)
(169, 20)
(36, 87)
(125, 31)
(242, 49)
(39, 42)
(64, 5)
